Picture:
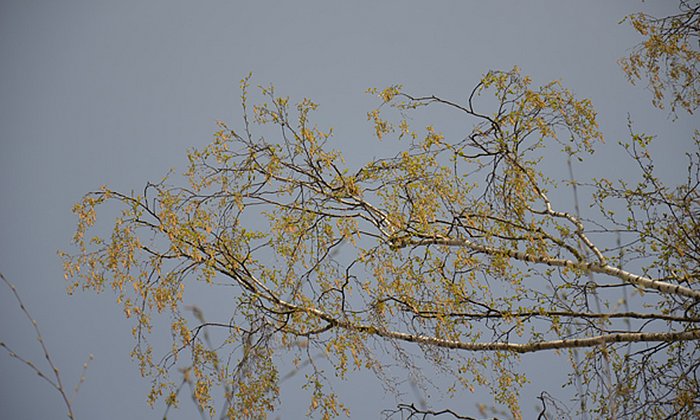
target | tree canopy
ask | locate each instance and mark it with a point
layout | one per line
(460, 249)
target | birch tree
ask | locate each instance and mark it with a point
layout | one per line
(454, 248)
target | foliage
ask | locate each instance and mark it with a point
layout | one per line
(454, 246)
(668, 58)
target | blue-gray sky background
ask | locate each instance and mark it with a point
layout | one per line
(115, 92)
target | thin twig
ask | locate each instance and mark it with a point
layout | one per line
(56, 382)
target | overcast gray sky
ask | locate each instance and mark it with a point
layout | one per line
(114, 92)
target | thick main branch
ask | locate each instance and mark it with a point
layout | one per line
(625, 337)
(641, 281)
